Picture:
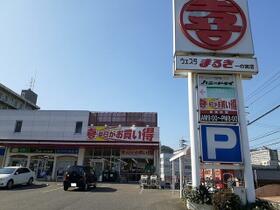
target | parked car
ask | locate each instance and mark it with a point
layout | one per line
(15, 175)
(79, 176)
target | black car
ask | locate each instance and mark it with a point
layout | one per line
(79, 176)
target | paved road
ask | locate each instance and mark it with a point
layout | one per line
(105, 197)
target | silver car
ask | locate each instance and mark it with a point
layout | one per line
(15, 175)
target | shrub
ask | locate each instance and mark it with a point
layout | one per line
(198, 195)
(226, 200)
(187, 190)
(261, 205)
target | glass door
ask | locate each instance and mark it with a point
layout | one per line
(98, 166)
(42, 166)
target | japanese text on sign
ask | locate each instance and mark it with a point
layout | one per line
(209, 63)
(137, 153)
(217, 99)
(100, 133)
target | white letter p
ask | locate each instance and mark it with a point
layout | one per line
(213, 143)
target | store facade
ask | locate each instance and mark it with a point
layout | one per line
(126, 151)
(119, 143)
(47, 163)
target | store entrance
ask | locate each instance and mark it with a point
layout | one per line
(132, 168)
(98, 165)
(43, 166)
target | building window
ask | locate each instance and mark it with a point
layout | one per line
(79, 126)
(18, 126)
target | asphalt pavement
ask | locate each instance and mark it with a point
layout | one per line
(107, 196)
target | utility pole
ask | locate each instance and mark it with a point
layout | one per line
(182, 143)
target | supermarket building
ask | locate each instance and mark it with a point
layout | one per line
(49, 141)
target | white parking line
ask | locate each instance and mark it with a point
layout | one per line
(51, 190)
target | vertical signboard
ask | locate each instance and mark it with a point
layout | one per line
(213, 48)
(217, 99)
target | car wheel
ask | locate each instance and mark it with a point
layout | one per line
(10, 184)
(30, 181)
(65, 187)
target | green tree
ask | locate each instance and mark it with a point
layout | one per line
(166, 149)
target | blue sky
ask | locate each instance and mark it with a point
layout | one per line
(117, 56)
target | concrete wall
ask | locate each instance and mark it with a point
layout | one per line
(268, 190)
(43, 125)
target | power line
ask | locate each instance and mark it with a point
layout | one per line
(269, 140)
(265, 135)
(264, 94)
(268, 145)
(275, 143)
(269, 81)
(266, 125)
(273, 109)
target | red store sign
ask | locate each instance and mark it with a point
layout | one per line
(218, 29)
(111, 133)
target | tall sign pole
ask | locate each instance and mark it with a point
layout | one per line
(195, 162)
(248, 173)
(213, 48)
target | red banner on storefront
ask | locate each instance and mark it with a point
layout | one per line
(110, 133)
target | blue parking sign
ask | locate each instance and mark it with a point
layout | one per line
(220, 143)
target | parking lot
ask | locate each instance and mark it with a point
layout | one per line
(107, 196)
